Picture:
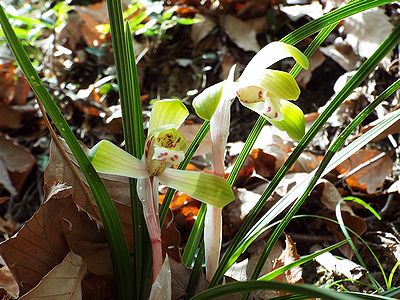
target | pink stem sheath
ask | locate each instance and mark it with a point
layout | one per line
(149, 196)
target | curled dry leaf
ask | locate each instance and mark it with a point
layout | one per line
(59, 171)
(363, 34)
(340, 267)
(240, 32)
(272, 149)
(62, 282)
(17, 160)
(8, 284)
(355, 223)
(9, 118)
(330, 196)
(366, 170)
(43, 242)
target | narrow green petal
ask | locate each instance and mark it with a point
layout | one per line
(280, 84)
(293, 121)
(207, 188)
(270, 54)
(207, 101)
(167, 112)
(110, 159)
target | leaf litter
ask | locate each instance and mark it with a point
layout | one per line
(59, 248)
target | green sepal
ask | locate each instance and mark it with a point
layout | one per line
(293, 121)
(207, 101)
(207, 188)
(110, 159)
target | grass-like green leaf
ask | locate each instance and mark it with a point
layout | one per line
(112, 225)
(364, 70)
(131, 108)
(310, 291)
(302, 260)
(325, 164)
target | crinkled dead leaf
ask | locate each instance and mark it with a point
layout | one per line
(201, 30)
(364, 35)
(189, 131)
(59, 170)
(17, 160)
(355, 223)
(9, 117)
(340, 266)
(43, 242)
(272, 149)
(330, 196)
(395, 128)
(366, 170)
(8, 284)
(305, 76)
(81, 26)
(289, 255)
(295, 12)
(62, 282)
(240, 32)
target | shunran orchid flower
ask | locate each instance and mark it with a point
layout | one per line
(263, 90)
(164, 147)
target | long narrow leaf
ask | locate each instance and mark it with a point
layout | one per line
(133, 132)
(364, 70)
(112, 225)
(302, 289)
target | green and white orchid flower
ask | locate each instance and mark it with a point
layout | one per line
(164, 147)
(263, 90)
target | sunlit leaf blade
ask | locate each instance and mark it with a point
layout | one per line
(207, 188)
(293, 121)
(270, 54)
(167, 112)
(110, 159)
(275, 273)
(302, 289)
(367, 67)
(112, 224)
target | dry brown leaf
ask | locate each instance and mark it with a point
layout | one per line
(202, 29)
(7, 83)
(340, 267)
(330, 196)
(9, 118)
(366, 170)
(189, 131)
(272, 149)
(8, 284)
(240, 32)
(58, 171)
(62, 282)
(289, 255)
(364, 35)
(357, 224)
(42, 243)
(17, 160)
(81, 25)
(305, 75)
(395, 128)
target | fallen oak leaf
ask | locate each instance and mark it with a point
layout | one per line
(62, 282)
